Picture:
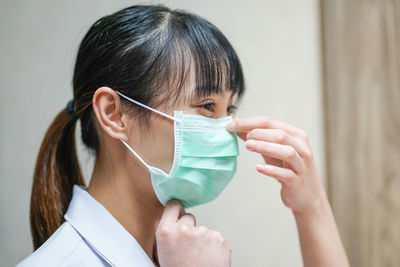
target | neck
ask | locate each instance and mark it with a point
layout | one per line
(128, 196)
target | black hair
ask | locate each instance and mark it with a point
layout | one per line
(146, 52)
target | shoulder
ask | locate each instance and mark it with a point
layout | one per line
(64, 247)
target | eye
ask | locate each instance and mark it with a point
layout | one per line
(232, 109)
(209, 106)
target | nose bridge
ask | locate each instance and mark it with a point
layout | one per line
(224, 101)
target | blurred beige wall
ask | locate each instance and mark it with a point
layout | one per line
(278, 44)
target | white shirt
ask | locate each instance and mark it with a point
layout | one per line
(90, 236)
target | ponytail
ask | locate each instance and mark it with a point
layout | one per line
(56, 171)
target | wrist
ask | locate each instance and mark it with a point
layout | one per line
(320, 208)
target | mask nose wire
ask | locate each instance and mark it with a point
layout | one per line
(150, 108)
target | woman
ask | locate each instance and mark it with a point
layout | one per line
(154, 91)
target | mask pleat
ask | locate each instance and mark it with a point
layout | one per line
(222, 163)
(200, 144)
(188, 192)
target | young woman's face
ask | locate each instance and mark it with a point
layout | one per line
(157, 144)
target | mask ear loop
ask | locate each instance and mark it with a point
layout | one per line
(136, 154)
(150, 108)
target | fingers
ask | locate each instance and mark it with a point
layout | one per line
(172, 211)
(248, 124)
(272, 161)
(284, 175)
(188, 219)
(278, 136)
(278, 151)
(268, 134)
(243, 135)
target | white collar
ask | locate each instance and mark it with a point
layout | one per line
(103, 232)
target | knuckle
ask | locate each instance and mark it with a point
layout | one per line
(183, 228)
(291, 176)
(263, 147)
(291, 153)
(304, 134)
(281, 136)
(265, 120)
(219, 237)
(164, 230)
(307, 155)
(202, 229)
(273, 171)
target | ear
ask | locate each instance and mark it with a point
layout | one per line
(107, 108)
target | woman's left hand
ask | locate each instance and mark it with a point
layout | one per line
(288, 158)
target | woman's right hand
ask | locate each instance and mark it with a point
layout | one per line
(181, 243)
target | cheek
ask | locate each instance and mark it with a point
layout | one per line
(167, 151)
(162, 145)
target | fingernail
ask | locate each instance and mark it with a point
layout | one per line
(263, 167)
(250, 144)
(259, 167)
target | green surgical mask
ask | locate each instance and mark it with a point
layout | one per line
(204, 159)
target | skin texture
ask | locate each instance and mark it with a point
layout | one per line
(168, 234)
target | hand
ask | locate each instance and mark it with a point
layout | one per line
(289, 159)
(181, 243)
(287, 153)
